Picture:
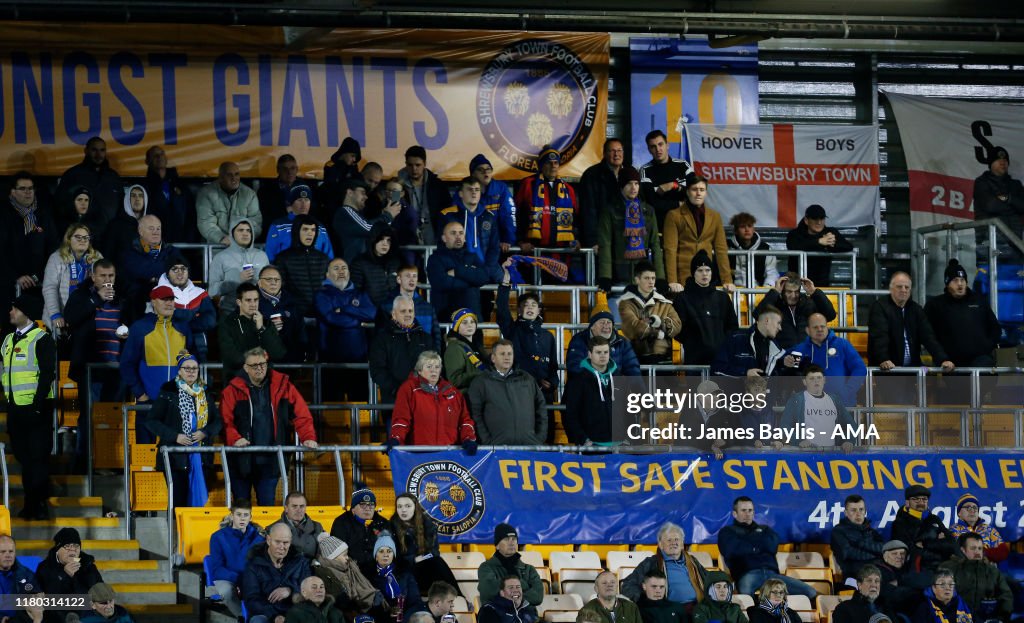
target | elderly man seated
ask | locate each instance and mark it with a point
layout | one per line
(316, 605)
(274, 574)
(686, 577)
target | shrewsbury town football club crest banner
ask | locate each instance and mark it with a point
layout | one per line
(247, 94)
(614, 498)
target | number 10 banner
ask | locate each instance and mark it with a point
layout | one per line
(678, 81)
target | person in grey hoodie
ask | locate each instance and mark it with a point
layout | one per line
(240, 262)
(506, 403)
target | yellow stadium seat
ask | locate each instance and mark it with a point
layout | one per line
(5, 520)
(826, 604)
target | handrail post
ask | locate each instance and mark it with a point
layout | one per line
(170, 514)
(3, 469)
(87, 429)
(127, 473)
(284, 473)
(227, 475)
(993, 267)
(341, 477)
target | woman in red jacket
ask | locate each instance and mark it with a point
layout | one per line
(430, 411)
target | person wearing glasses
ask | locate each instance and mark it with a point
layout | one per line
(68, 267)
(360, 525)
(28, 236)
(66, 570)
(261, 407)
(772, 607)
(942, 603)
(185, 414)
(968, 513)
(928, 537)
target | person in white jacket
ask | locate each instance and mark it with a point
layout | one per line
(66, 269)
(745, 238)
(220, 203)
(241, 261)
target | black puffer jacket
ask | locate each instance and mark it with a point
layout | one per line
(708, 317)
(164, 421)
(302, 268)
(854, 545)
(393, 354)
(937, 541)
(533, 345)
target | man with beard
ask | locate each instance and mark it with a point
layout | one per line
(924, 531)
(963, 321)
(169, 198)
(96, 174)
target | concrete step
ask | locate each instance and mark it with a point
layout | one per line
(101, 550)
(163, 613)
(62, 485)
(76, 506)
(97, 528)
(127, 571)
(145, 593)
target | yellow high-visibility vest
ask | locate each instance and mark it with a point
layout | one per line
(21, 367)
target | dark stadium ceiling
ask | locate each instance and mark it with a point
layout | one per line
(947, 20)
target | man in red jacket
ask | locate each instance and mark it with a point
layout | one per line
(261, 407)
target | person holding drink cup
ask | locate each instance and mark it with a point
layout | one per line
(241, 262)
(247, 328)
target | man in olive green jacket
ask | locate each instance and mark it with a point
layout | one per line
(506, 561)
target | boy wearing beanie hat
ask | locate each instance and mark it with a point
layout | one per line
(29, 358)
(963, 321)
(507, 561)
(706, 312)
(627, 233)
(496, 196)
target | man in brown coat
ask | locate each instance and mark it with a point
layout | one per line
(691, 227)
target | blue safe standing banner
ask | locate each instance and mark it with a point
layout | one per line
(673, 79)
(615, 498)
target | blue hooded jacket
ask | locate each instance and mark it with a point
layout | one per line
(839, 359)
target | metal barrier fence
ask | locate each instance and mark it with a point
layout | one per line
(3, 472)
(750, 254)
(920, 250)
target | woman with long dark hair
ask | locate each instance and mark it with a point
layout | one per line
(416, 537)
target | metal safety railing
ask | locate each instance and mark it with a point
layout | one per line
(750, 254)
(842, 308)
(3, 472)
(921, 250)
(970, 421)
